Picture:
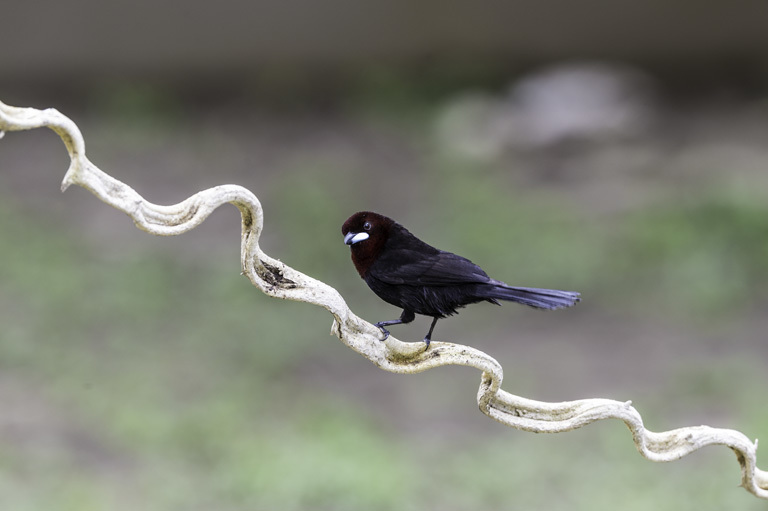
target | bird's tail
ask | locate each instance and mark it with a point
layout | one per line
(531, 296)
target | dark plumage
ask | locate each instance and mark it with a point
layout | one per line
(420, 279)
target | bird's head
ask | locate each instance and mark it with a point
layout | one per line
(366, 233)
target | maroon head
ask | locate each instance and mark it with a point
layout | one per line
(366, 233)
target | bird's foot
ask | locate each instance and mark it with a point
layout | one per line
(383, 331)
(427, 340)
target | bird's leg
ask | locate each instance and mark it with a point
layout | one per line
(428, 338)
(406, 317)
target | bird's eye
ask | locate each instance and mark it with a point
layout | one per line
(367, 226)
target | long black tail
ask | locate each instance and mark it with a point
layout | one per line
(531, 296)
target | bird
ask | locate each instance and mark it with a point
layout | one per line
(408, 273)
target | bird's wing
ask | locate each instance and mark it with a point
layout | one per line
(414, 267)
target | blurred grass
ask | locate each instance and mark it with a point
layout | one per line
(177, 370)
(707, 255)
(159, 383)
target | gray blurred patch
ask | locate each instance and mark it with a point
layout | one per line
(582, 102)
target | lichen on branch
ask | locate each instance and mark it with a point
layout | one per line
(279, 280)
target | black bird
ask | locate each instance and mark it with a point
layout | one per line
(420, 279)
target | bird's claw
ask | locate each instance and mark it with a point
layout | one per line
(383, 331)
(427, 341)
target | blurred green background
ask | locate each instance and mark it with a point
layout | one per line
(139, 372)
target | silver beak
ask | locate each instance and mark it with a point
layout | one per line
(355, 237)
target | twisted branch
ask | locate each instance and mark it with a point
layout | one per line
(281, 281)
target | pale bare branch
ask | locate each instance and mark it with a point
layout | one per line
(281, 281)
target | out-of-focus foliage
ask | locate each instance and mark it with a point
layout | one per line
(142, 377)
